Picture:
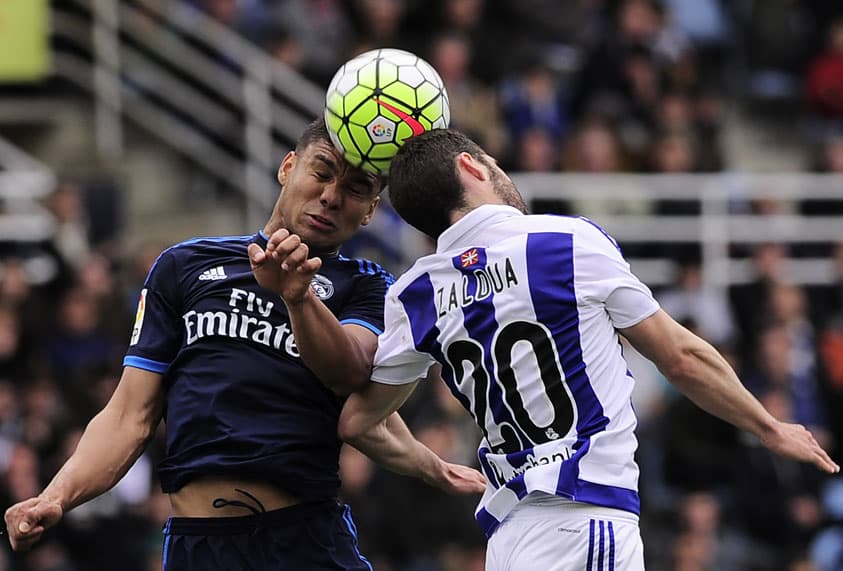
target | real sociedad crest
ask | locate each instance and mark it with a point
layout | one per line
(322, 286)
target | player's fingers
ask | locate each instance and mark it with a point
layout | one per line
(825, 463)
(276, 239)
(310, 266)
(256, 255)
(25, 542)
(295, 258)
(467, 480)
(286, 247)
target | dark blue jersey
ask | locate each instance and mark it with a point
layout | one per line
(240, 401)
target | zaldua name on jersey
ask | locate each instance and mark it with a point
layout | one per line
(488, 280)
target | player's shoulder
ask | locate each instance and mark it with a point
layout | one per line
(584, 229)
(587, 232)
(209, 244)
(364, 267)
(194, 253)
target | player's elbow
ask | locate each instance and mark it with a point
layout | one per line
(685, 366)
(353, 432)
(354, 427)
(349, 428)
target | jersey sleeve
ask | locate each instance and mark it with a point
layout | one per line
(157, 332)
(397, 362)
(366, 306)
(605, 278)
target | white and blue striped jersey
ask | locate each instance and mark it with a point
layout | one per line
(521, 312)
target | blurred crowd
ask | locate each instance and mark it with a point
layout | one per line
(584, 85)
(596, 86)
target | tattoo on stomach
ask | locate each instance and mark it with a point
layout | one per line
(255, 506)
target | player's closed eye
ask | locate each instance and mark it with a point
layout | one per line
(359, 191)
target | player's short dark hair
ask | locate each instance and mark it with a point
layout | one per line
(424, 185)
(315, 131)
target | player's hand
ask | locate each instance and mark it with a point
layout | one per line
(794, 441)
(284, 266)
(459, 479)
(26, 521)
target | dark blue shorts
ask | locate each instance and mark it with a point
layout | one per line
(318, 536)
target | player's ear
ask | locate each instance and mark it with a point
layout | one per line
(287, 164)
(472, 167)
(371, 213)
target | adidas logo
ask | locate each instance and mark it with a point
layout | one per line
(217, 273)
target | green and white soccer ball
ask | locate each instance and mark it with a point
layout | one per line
(378, 100)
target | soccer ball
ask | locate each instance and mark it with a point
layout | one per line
(379, 99)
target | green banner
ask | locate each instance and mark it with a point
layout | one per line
(24, 42)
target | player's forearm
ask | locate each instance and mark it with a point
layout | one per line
(706, 378)
(106, 451)
(699, 371)
(326, 348)
(391, 444)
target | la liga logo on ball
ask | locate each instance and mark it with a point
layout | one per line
(381, 131)
(378, 100)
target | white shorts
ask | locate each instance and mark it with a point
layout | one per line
(554, 534)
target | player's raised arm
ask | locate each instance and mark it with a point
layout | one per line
(111, 443)
(704, 376)
(339, 355)
(369, 423)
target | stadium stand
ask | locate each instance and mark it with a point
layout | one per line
(692, 131)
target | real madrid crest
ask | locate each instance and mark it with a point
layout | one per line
(322, 287)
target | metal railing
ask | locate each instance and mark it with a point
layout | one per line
(204, 90)
(24, 221)
(234, 111)
(724, 220)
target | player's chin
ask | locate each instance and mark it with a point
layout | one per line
(319, 241)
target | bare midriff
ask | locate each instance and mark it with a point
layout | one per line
(225, 497)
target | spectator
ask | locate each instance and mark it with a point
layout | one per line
(536, 151)
(314, 37)
(750, 301)
(674, 153)
(379, 22)
(45, 415)
(779, 367)
(777, 37)
(79, 346)
(783, 527)
(14, 354)
(594, 147)
(71, 237)
(475, 108)
(832, 155)
(704, 540)
(824, 79)
(97, 279)
(708, 123)
(708, 308)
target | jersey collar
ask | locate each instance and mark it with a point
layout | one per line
(261, 240)
(467, 229)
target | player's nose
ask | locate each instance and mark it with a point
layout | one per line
(330, 195)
